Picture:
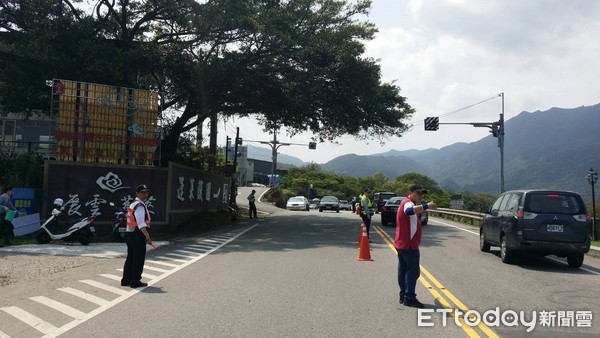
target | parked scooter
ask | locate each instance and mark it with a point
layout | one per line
(81, 231)
(119, 224)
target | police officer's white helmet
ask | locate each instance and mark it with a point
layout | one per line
(58, 202)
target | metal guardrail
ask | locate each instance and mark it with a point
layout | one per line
(463, 216)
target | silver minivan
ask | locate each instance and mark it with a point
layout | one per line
(545, 222)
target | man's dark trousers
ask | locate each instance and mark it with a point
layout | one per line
(136, 256)
(408, 272)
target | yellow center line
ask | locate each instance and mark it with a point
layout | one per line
(460, 305)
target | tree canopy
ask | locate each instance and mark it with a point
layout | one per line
(293, 64)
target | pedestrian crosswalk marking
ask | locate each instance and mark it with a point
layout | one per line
(179, 255)
(103, 286)
(194, 253)
(162, 263)
(31, 320)
(146, 267)
(172, 259)
(58, 306)
(84, 295)
(111, 276)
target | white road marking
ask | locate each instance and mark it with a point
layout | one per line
(144, 274)
(163, 263)
(108, 304)
(29, 319)
(186, 252)
(172, 259)
(103, 286)
(86, 296)
(58, 306)
(180, 255)
(111, 276)
(155, 269)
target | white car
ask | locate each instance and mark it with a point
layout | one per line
(344, 205)
(297, 203)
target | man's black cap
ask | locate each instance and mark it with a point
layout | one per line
(142, 188)
(367, 190)
(417, 187)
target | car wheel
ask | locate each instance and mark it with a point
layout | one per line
(483, 244)
(506, 255)
(575, 260)
(320, 210)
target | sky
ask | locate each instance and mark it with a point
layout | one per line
(454, 54)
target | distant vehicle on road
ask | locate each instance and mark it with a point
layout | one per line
(314, 203)
(297, 203)
(543, 222)
(379, 198)
(344, 205)
(329, 203)
(257, 185)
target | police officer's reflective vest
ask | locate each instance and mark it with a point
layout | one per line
(369, 205)
(131, 222)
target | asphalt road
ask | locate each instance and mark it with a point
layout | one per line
(295, 274)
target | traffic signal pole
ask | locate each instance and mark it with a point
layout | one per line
(496, 128)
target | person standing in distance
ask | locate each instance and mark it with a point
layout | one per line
(407, 241)
(252, 204)
(5, 205)
(137, 236)
(366, 210)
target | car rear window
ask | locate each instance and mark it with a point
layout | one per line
(395, 200)
(554, 203)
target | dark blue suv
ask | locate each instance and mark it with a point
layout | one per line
(546, 222)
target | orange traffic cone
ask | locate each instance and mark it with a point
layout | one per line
(364, 250)
(363, 227)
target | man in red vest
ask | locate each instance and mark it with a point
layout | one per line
(408, 239)
(138, 223)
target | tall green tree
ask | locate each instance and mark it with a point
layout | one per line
(295, 64)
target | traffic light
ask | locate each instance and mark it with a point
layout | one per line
(432, 123)
(312, 145)
(239, 141)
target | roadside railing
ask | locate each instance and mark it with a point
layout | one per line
(463, 216)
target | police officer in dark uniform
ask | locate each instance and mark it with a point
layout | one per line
(138, 222)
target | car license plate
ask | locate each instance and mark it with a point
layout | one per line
(554, 227)
(122, 229)
(93, 229)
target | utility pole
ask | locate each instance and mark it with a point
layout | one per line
(274, 147)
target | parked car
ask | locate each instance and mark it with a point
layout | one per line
(379, 199)
(388, 212)
(545, 222)
(344, 205)
(297, 203)
(329, 203)
(314, 203)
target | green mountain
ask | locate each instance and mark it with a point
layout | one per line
(543, 149)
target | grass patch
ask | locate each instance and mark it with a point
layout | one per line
(596, 243)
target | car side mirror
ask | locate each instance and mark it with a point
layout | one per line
(485, 210)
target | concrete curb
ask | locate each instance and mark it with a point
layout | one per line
(594, 251)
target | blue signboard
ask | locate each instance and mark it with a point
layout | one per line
(22, 199)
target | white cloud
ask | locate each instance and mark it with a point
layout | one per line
(446, 55)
